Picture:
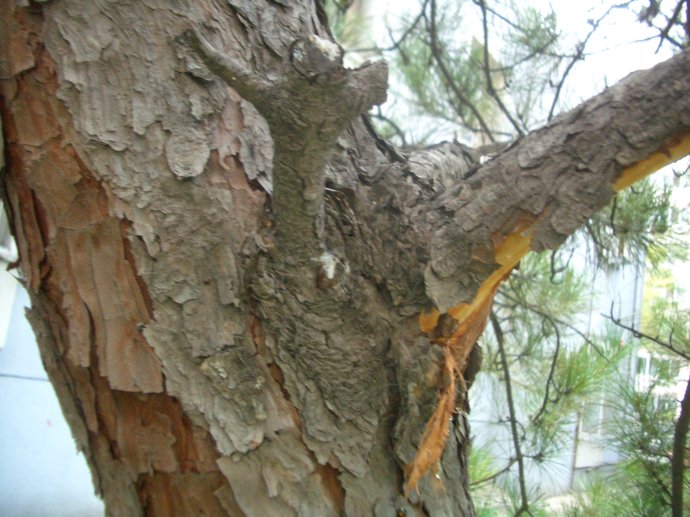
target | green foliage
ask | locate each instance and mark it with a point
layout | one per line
(431, 93)
(523, 57)
(642, 431)
(530, 59)
(348, 26)
(555, 370)
(532, 34)
(483, 467)
(625, 492)
(636, 228)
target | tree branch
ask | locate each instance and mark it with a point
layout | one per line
(664, 33)
(547, 184)
(678, 461)
(668, 345)
(231, 71)
(448, 78)
(524, 506)
(306, 110)
(487, 72)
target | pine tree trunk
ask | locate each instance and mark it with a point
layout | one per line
(227, 295)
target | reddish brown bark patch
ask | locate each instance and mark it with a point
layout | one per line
(167, 495)
(90, 300)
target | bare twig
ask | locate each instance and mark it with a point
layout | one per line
(579, 54)
(678, 461)
(498, 332)
(668, 345)
(438, 57)
(555, 270)
(552, 371)
(396, 43)
(664, 33)
(487, 73)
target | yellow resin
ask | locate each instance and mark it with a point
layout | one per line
(676, 149)
(507, 254)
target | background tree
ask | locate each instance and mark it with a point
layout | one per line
(651, 428)
(247, 301)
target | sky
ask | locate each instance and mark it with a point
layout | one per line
(613, 53)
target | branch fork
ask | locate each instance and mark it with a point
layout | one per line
(306, 108)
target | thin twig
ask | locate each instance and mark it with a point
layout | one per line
(536, 52)
(493, 476)
(555, 270)
(579, 54)
(436, 53)
(678, 460)
(505, 19)
(552, 371)
(498, 332)
(544, 314)
(487, 73)
(639, 334)
(664, 34)
(396, 128)
(396, 44)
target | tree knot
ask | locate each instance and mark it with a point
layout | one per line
(315, 56)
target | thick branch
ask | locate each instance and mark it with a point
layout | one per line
(540, 190)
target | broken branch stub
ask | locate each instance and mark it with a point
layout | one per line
(306, 107)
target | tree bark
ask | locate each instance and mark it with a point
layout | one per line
(223, 347)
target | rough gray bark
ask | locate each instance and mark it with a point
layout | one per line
(228, 303)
